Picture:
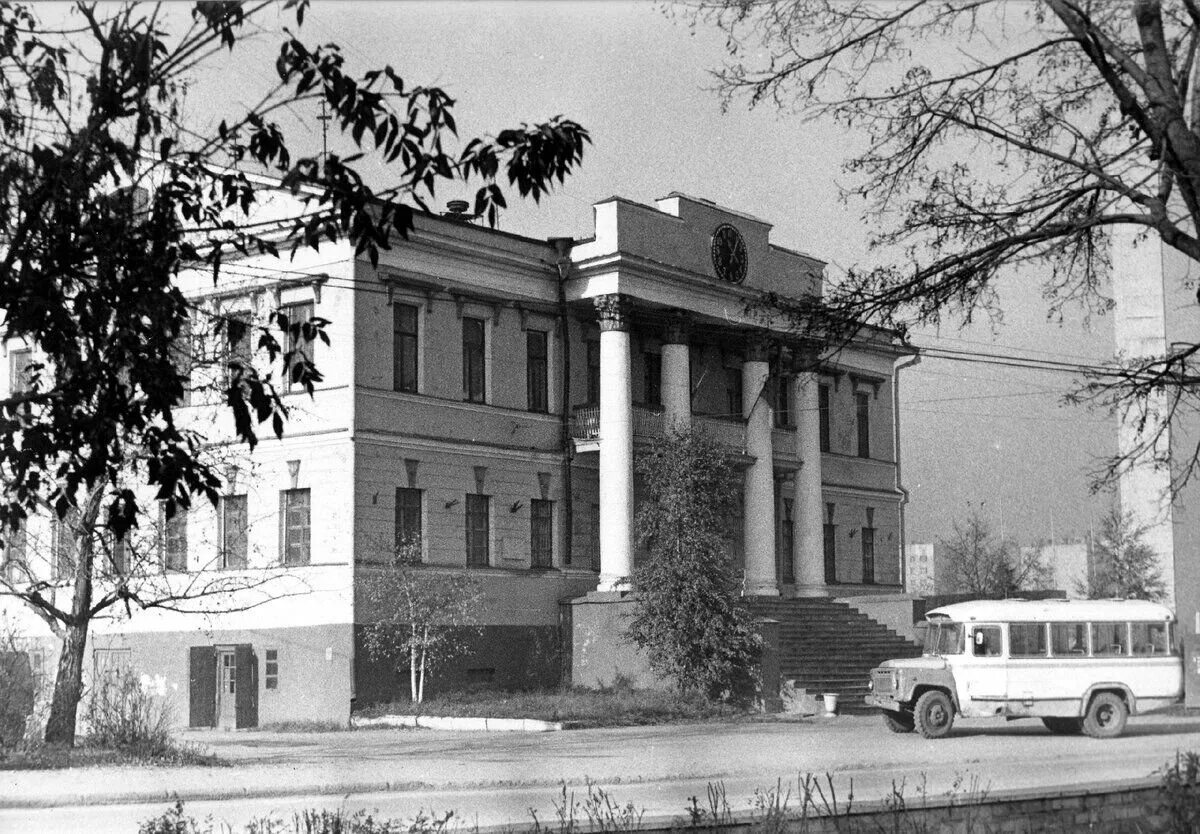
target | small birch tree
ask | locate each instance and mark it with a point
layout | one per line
(421, 615)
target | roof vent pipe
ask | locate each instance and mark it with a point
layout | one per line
(457, 210)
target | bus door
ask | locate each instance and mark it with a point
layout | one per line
(983, 683)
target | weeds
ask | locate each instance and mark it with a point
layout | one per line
(1181, 793)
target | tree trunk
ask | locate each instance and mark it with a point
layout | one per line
(68, 687)
(68, 684)
(412, 671)
(421, 676)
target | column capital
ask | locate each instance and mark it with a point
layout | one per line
(758, 349)
(614, 311)
(804, 357)
(678, 330)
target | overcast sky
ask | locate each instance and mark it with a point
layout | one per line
(972, 434)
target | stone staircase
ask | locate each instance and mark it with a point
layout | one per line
(828, 646)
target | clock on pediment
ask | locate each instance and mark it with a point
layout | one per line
(729, 256)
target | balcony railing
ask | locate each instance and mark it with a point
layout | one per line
(649, 423)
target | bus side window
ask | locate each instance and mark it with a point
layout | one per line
(987, 641)
(1068, 639)
(1109, 639)
(1150, 639)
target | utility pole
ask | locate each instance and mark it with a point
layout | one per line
(324, 120)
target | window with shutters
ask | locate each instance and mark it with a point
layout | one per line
(295, 532)
(405, 323)
(478, 530)
(541, 520)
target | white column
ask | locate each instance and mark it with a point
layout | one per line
(808, 557)
(759, 489)
(676, 381)
(616, 444)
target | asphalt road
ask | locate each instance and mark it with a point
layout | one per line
(496, 778)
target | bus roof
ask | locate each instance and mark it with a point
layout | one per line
(1058, 610)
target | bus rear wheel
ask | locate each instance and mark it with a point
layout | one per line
(1063, 726)
(1106, 716)
(934, 714)
(898, 722)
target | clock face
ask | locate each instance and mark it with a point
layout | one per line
(729, 254)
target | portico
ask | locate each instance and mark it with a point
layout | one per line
(660, 283)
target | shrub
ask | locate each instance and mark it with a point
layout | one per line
(122, 714)
(689, 616)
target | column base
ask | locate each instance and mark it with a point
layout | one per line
(613, 584)
(764, 590)
(812, 591)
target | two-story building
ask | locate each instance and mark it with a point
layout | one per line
(486, 394)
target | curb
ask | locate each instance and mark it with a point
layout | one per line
(438, 722)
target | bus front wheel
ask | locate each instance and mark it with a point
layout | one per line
(934, 714)
(1106, 716)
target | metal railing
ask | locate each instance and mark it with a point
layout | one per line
(650, 422)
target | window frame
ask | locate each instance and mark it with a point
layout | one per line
(862, 414)
(652, 379)
(474, 358)
(286, 527)
(405, 342)
(404, 510)
(537, 385)
(592, 359)
(173, 539)
(541, 541)
(226, 502)
(271, 675)
(735, 386)
(477, 508)
(19, 368)
(308, 349)
(823, 412)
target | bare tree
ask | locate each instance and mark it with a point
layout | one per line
(1123, 565)
(1003, 141)
(987, 566)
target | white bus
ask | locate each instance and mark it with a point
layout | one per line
(1078, 665)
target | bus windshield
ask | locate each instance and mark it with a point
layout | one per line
(944, 637)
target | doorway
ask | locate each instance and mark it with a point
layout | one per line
(226, 688)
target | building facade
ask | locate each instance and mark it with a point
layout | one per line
(484, 398)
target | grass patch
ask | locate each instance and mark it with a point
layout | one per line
(45, 757)
(582, 707)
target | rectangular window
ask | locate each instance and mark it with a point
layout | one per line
(1150, 639)
(478, 530)
(537, 365)
(236, 346)
(1110, 639)
(234, 532)
(18, 370)
(173, 533)
(296, 532)
(1027, 640)
(986, 641)
(474, 357)
(784, 418)
(823, 411)
(271, 669)
(109, 663)
(404, 347)
(652, 378)
(830, 543)
(408, 522)
(1068, 639)
(862, 408)
(868, 548)
(541, 523)
(298, 314)
(63, 543)
(733, 392)
(593, 373)
(787, 567)
(119, 554)
(14, 556)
